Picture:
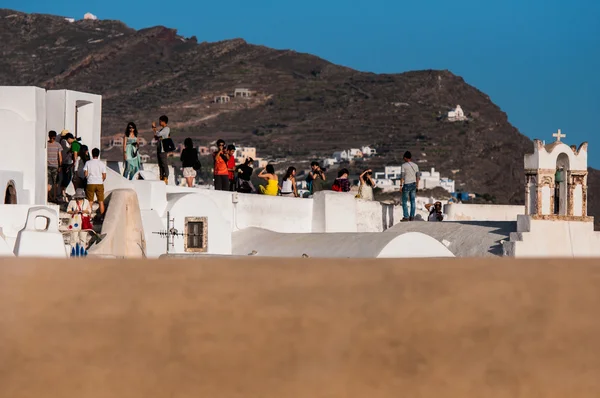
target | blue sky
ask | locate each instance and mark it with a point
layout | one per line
(538, 60)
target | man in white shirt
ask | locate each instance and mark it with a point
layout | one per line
(95, 172)
(161, 155)
(409, 181)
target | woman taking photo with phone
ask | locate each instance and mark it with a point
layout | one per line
(272, 187)
(365, 189)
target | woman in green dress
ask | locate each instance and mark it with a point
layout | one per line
(131, 146)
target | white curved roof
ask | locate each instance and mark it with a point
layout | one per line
(463, 238)
(340, 245)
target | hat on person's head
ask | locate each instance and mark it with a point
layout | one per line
(79, 194)
(64, 132)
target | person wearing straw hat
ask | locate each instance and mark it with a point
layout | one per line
(80, 210)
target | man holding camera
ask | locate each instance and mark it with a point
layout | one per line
(221, 172)
(161, 154)
(316, 178)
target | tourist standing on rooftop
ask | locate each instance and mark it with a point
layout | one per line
(95, 172)
(220, 169)
(231, 166)
(54, 155)
(288, 185)
(70, 153)
(79, 181)
(131, 148)
(409, 181)
(189, 161)
(161, 153)
(316, 178)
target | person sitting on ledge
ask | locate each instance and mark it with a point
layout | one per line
(288, 185)
(272, 187)
(342, 183)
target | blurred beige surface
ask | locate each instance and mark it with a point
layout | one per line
(257, 327)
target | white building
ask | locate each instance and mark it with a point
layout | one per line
(30, 112)
(448, 184)
(456, 115)
(328, 162)
(432, 179)
(242, 93)
(222, 99)
(355, 153)
(429, 179)
(389, 173)
(117, 141)
(260, 163)
(341, 156)
(244, 152)
(368, 151)
(387, 185)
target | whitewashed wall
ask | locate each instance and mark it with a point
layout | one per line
(473, 212)
(185, 205)
(13, 219)
(545, 238)
(23, 120)
(77, 112)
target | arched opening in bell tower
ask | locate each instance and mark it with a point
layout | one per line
(561, 196)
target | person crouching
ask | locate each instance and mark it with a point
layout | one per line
(435, 211)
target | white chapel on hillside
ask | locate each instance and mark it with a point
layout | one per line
(456, 115)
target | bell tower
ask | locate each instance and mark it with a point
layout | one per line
(556, 181)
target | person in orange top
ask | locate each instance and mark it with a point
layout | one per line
(220, 170)
(231, 166)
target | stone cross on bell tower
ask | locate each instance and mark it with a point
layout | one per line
(558, 135)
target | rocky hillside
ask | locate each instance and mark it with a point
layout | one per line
(302, 106)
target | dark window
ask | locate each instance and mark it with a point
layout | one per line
(196, 234)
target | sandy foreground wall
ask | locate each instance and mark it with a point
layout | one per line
(258, 327)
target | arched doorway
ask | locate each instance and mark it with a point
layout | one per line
(561, 177)
(10, 195)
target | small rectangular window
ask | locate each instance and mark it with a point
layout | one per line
(196, 234)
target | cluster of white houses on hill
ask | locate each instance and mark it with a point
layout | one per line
(347, 155)
(390, 177)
